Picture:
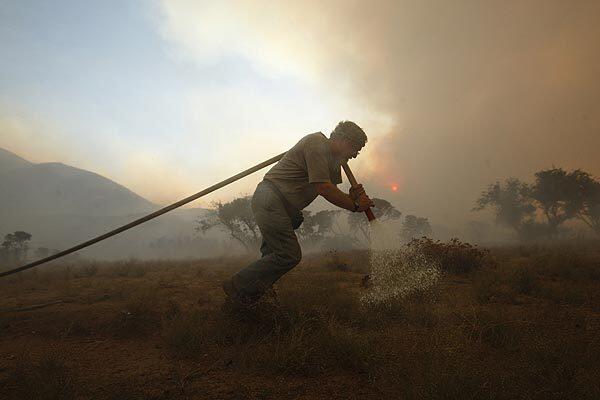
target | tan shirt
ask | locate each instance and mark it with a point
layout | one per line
(309, 161)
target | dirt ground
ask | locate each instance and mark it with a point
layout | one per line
(524, 325)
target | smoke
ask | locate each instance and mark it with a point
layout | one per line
(470, 92)
(138, 168)
(492, 91)
(453, 95)
(20, 135)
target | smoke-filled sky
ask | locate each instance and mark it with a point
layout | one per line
(168, 97)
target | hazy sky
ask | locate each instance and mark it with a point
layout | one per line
(168, 97)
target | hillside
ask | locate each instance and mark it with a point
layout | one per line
(9, 161)
(55, 188)
(61, 205)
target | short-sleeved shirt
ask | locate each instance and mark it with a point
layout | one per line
(309, 161)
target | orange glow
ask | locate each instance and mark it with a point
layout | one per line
(394, 188)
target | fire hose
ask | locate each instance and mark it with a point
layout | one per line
(168, 208)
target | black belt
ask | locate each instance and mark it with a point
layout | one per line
(293, 212)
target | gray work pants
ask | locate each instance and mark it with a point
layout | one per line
(280, 248)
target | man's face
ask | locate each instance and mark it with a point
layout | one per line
(350, 149)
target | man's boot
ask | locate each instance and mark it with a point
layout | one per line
(236, 297)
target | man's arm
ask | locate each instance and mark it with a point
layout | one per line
(336, 197)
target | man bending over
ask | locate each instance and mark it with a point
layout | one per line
(311, 168)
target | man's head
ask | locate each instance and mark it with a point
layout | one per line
(347, 139)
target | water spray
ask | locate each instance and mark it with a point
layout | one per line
(397, 271)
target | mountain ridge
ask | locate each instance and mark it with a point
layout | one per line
(9, 160)
(62, 205)
(57, 188)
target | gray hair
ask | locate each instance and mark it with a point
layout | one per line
(349, 130)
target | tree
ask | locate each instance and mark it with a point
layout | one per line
(560, 195)
(14, 248)
(235, 218)
(318, 226)
(589, 213)
(359, 224)
(511, 203)
(414, 226)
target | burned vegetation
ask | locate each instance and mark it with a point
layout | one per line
(500, 323)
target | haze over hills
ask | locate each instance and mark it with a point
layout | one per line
(61, 206)
(55, 188)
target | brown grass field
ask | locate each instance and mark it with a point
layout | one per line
(525, 324)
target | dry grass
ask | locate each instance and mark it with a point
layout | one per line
(523, 324)
(49, 378)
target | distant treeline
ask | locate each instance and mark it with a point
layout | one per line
(539, 209)
(327, 229)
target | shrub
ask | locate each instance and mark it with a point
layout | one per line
(455, 256)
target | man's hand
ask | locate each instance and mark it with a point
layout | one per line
(356, 191)
(358, 195)
(335, 196)
(364, 202)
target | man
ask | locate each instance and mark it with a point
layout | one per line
(311, 168)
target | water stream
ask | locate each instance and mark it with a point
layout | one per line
(397, 270)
